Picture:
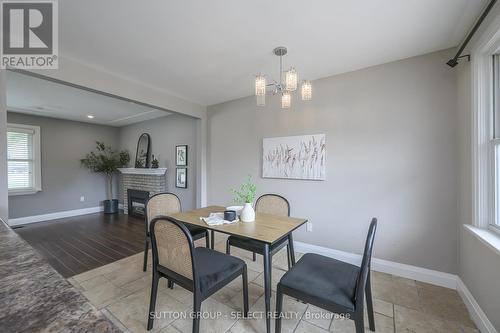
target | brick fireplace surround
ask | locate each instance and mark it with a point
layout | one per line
(151, 180)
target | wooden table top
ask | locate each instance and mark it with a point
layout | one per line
(266, 228)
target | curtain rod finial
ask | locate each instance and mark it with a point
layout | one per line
(452, 63)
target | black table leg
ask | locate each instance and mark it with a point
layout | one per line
(212, 239)
(292, 250)
(267, 286)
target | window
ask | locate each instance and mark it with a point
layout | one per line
(494, 143)
(485, 129)
(23, 159)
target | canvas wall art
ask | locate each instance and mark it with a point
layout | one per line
(295, 157)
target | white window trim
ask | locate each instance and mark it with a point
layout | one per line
(494, 229)
(37, 161)
(493, 179)
(487, 237)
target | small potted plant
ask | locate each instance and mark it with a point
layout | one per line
(107, 161)
(245, 195)
(154, 162)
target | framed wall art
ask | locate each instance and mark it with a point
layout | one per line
(181, 177)
(181, 156)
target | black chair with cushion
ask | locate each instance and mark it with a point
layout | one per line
(200, 270)
(331, 284)
(269, 204)
(166, 204)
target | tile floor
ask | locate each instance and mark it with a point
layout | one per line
(121, 290)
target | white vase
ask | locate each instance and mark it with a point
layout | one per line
(247, 213)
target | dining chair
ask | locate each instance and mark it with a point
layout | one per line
(331, 284)
(166, 203)
(201, 270)
(270, 204)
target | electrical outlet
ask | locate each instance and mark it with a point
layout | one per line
(82, 198)
(309, 227)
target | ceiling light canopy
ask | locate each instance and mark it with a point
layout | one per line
(282, 87)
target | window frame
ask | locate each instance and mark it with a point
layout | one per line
(37, 161)
(483, 144)
(494, 175)
(493, 129)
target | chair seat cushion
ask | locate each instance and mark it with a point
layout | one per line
(253, 245)
(215, 268)
(196, 232)
(324, 279)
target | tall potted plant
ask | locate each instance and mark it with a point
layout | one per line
(107, 161)
(246, 195)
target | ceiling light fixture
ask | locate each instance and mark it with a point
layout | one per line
(284, 88)
(90, 116)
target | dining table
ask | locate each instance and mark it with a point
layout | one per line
(267, 228)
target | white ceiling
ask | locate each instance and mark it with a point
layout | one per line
(30, 95)
(208, 51)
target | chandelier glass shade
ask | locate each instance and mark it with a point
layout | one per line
(284, 87)
(261, 100)
(291, 80)
(286, 100)
(260, 85)
(306, 91)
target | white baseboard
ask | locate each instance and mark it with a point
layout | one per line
(408, 271)
(478, 316)
(54, 216)
(411, 272)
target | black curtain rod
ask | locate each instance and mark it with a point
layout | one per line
(454, 61)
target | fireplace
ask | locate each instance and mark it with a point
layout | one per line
(137, 202)
(149, 181)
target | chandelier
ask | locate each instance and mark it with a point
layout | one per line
(283, 87)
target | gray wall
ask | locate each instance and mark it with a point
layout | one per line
(166, 133)
(3, 152)
(391, 154)
(480, 271)
(464, 162)
(63, 144)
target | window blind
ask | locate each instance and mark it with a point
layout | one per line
(20, 159)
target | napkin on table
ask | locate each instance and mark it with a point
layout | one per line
(217, 219)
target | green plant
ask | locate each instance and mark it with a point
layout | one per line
(107, 161)
(246, 193)
(139, 164)
(154, 162)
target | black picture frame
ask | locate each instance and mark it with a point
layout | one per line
(181, 151)
(178, 181)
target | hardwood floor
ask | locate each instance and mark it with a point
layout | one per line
(77, 244)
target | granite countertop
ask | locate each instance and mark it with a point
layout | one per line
(35, 298)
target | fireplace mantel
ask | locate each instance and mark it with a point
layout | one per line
(143, 171)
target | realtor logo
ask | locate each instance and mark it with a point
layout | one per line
(29, 35)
